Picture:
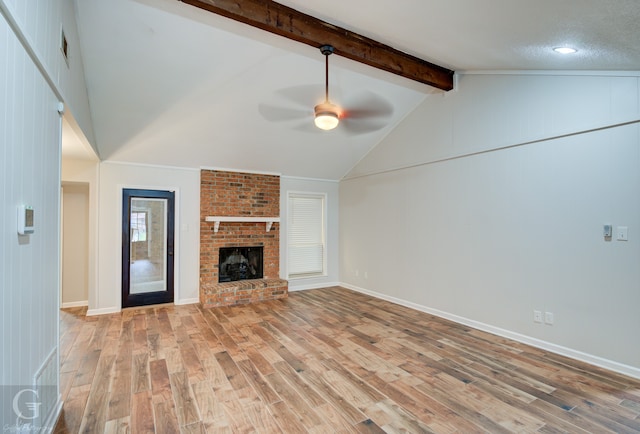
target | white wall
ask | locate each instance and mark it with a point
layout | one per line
(476, 225)
(114, 177)
(331, 189)
(29, 265)
(75, 244)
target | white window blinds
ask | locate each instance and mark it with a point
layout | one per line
(306, 241)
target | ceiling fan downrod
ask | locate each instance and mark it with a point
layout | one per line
(326, 50)
(326, 114)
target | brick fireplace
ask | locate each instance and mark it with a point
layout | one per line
(230, 196)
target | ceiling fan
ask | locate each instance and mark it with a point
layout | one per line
(364, 112)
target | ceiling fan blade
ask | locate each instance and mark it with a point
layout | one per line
(358, 126)
(274, 113)
(308, 127)
(306, 95)
(368, 105)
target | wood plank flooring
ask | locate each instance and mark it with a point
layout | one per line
(322, 361)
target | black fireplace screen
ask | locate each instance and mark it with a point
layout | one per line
(239, 263)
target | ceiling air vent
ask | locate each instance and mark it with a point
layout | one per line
(64, 46)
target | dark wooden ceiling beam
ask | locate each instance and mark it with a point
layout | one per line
(290, 23)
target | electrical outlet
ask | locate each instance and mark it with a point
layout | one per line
(548, 318)
(623, 233)
(366, 275)
(537, 316)
(357, 273)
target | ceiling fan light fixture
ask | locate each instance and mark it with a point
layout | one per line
(326, 116)
(565, 50)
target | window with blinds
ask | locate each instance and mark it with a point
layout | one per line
(306, 234)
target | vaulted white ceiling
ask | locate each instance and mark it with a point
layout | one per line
(170, 84)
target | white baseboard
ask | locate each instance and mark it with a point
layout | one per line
(312, 286)
(75, 304)
(50, 424)
(187, 301)
(611, 365)
(107, 310)
(103, 311)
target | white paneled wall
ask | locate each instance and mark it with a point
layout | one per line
(41, 23)
(484, 233)
(29, 174)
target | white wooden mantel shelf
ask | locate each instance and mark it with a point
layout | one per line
(218, 219)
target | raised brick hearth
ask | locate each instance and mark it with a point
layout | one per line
(242, 292)
(234, 194)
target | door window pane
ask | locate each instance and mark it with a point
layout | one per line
(148, 267)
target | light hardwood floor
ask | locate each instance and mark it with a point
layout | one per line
(322, 361)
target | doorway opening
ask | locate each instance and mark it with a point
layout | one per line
(75, 244)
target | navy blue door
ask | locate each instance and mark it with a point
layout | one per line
(147, 247)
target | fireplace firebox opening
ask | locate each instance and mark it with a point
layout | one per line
(239, 263)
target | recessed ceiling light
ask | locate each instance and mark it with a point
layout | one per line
(565, 50)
